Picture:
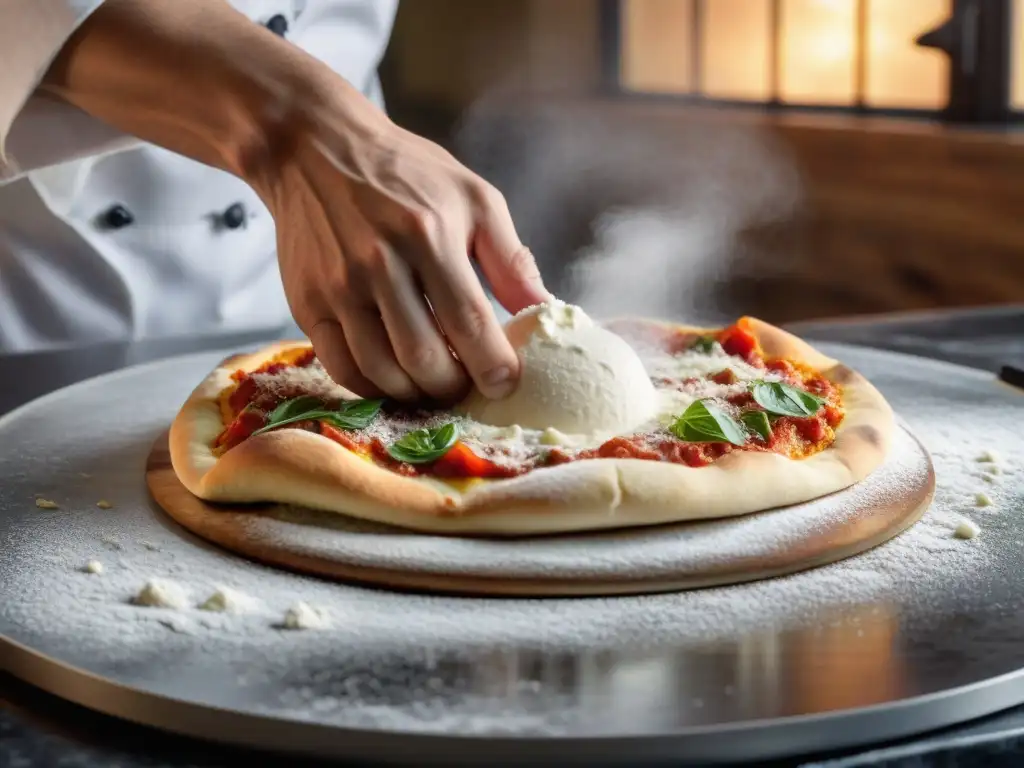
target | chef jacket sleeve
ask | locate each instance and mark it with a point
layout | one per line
(37, 131)
(350, 36)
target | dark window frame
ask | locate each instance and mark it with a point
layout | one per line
(977, 38)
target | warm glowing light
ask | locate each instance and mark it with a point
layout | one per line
(820, 58)
(1017, 89)
(656, 52)
(900, 73)
(818, 52)
(736, 55)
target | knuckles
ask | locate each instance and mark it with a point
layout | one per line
(375, 265)
(374, 261)
(486, 197)
(335, 289)
(523, 265)
(423, 358)
(469, 320)
(421, 225)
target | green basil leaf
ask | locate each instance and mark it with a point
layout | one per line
(294, 407)
(354, 414)
(425, 445)
(782, 399)
(702, 422)
(348, 414)
(758, 423)
(705, 344)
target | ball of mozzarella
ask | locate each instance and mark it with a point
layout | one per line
(576, 377)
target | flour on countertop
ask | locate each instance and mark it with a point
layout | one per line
(339, 673)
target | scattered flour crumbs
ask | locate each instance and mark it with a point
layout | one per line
(122, 591)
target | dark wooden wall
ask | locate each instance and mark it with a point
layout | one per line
(892, 215)
(900, 217)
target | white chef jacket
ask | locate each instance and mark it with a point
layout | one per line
(104, 238)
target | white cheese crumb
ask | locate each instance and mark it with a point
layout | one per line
(513, 432)
(93, 566)
(104, 504)
(227, 600)
(162, 593)
(302, 616)
(552, 436)
(987, 457)
(982, 500)
(46, 504)
(967, 529)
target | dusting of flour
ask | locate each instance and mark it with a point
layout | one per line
(77, 449)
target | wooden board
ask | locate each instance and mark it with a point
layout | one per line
(341, 548)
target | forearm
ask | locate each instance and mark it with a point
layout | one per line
(200, 79)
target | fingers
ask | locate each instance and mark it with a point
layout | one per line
(464, 313)
(372, 352)
(332, 351)
(507, 264)
(392, 338)
(420, 347)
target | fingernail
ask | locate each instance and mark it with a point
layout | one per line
(499, 381)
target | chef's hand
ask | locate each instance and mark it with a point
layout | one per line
(376, 227)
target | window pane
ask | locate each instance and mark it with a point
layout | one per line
(656, 50)
(1018, 55)
(735, 60)
(900, 73)
(818, 51)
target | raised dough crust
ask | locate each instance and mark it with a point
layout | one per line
(306, 469)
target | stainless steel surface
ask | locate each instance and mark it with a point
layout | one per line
(857, 674)
(981, 337)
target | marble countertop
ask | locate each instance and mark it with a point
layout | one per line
(39, 730)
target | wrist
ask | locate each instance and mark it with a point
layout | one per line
(309, 112)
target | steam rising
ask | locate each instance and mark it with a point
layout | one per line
(632, 210)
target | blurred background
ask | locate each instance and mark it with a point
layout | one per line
(792, 159)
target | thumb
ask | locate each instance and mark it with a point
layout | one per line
(507, 264)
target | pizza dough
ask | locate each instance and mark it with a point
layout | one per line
(691, 555)
(298, 467)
